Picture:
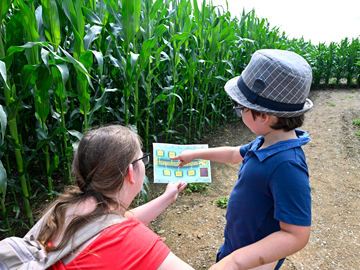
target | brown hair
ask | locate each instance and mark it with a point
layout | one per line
(287, 124)
(99, 167)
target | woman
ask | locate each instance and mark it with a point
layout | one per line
(108, 169)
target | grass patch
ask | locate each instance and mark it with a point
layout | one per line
(196, 187)
(330, 104)
(223, 202)
(356, 121)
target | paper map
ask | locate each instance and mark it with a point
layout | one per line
(167, 170)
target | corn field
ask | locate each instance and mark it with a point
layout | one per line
(158, 66)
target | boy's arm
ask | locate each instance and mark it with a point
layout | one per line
(220, 154)
(147, 212)
(276, 246)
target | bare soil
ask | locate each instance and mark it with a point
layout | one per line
(193, 226)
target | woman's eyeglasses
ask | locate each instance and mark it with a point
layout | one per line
(145, 158)
(239, 110)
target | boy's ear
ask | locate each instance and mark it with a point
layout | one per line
(130, 174)
(265, 117)
(268, 119)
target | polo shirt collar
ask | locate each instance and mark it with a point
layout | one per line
(262, 154)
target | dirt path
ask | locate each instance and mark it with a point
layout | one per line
(193, 226)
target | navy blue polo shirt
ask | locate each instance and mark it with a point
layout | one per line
(273, 186)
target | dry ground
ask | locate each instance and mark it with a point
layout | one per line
(193, 226)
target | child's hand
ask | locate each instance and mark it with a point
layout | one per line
(173, 190)
(185, 157)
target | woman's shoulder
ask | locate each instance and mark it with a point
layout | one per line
(130, 226)
(127, 223)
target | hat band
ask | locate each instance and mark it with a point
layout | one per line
(267, 103)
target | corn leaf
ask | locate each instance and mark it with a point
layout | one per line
(5, 5)
(14, 30)
(102, 12)
(54, 164)
(91, 35)
(100, 60)
(100, 102)
(114, 10)
(136, 15)
(46, 139)
(29, 21)
(91, 16)
(80, 17)
(3, 123)
(60, 75)
(75, 15)
(29, 76)
(76, 63)
(155, 8)
(3, 73)
(82, 84)
(45, 57)
(3, 180)
(42, 97)
(83, 94)
(51, 20)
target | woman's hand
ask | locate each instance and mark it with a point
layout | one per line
(173, 189)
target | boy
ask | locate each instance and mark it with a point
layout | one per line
(269, 208)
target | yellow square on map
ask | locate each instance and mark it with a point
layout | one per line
(191, 173)
(178, 173)
(172, 154)
(160, 153)
(167, 172)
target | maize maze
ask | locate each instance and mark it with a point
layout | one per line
(158, 66)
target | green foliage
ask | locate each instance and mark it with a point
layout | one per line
(223, 202)
(356, 121)
(357, 133)
(196, 187)
(330, 104)
(159, 66)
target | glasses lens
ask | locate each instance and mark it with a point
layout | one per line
(239, 111)
(146, 158)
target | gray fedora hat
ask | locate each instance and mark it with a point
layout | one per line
(275, 82)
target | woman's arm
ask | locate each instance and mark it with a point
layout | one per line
(147, 212)
(172, 262)
(278, 245)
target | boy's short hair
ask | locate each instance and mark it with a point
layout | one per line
(287, 124)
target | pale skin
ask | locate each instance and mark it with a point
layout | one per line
(145, 213)
(264, 254)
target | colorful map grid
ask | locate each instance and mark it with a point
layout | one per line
(167, 170)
